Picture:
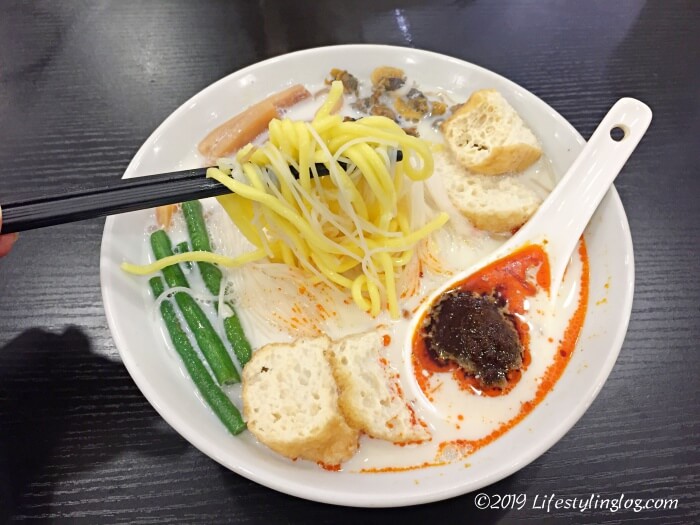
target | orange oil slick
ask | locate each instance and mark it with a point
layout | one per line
(332, 468)
(403, 469)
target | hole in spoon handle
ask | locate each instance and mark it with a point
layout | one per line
(618, 133)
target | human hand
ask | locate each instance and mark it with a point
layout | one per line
(6, 241)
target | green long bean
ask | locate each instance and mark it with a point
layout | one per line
(183, 247)
(208, 340)
(212, 276)
(199, 238)
(217, 400)
(236, 336)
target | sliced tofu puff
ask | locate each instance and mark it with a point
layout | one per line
(290, 402)
(487, 136)
(499, 204)
(370, 395)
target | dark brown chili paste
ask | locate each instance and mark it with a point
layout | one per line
(473, 331)
(508, 282)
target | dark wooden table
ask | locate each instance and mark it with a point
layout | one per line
(82, 84)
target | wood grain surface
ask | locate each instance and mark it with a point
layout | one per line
(83, 84)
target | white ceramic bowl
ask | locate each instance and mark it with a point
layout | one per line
(158, 374)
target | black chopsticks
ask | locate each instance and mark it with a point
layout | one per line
(121, 196)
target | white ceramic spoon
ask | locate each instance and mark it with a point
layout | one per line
(563, 216)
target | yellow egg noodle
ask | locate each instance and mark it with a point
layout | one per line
(354, 228)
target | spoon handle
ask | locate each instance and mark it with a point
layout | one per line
(564, 215)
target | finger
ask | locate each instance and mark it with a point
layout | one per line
(6, 242)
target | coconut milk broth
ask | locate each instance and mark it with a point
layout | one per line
(453, 413)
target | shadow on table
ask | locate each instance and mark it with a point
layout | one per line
(59, 400)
